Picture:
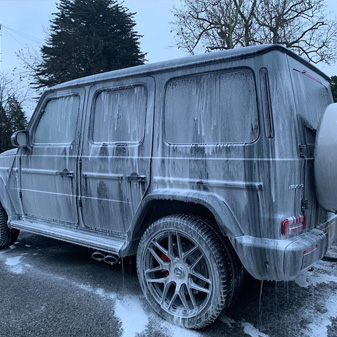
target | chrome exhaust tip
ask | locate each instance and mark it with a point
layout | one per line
(111, 259)
(98, 256)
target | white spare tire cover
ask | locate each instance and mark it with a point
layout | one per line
(326, 160)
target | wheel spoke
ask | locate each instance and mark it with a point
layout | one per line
(192, 250)
(162, 249)
(153, 270)
(190, 293)
(165, 291)
(195, 286)
(157, 257)
(180, 248)
(173, 299)
(183, 298)
(197, 261)
(201, 277)
(157, 280)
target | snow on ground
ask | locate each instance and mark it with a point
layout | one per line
(130, 325)
(14, 265)
(320, 324)
(250, 330)
(322, 273)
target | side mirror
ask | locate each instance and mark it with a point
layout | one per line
(21, 139)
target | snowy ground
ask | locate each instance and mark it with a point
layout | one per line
(50, 288)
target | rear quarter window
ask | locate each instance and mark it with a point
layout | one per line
(311, 97)
(211, 108)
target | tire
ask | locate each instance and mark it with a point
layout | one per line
(7, 235)
(237, 267)
(184, 270)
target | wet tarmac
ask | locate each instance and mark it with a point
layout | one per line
(52, 289)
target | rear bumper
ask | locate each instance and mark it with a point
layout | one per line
(283, 260)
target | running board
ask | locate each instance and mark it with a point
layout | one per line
(76, 236)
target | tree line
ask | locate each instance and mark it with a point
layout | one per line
(93, 36)
(12, 117)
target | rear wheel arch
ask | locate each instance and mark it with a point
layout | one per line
(158, 205)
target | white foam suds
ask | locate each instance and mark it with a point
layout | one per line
(320, 323)
(13, 264)
(318, 275)
(250, 330)
(132, 315)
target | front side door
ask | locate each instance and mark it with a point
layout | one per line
(115, 160)
(48, 176)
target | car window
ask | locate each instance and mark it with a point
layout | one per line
(211, 108)
(58, 121)
(312, 98)
(119, 115)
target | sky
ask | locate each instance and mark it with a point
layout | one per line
(26, 23)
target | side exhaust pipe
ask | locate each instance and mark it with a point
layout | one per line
(107, 258)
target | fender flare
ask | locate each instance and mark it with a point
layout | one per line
(225, 218)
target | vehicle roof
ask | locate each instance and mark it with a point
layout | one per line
(224, 55)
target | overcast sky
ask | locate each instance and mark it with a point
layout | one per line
(26, 22)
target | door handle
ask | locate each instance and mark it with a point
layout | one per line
(136, 178)
(65, 173)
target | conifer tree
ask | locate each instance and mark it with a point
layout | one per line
(5, 130)
(16, 116)
(88, 37)
(12, 118)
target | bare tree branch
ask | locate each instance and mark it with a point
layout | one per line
(302, 25)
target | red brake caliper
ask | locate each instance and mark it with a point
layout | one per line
(165, 259)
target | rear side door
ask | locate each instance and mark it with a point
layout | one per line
(115, 159)
(48, 176)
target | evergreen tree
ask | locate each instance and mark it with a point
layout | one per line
(12, 118)
(5, 130)
(88, 37)
(16, 116)
(334, 87)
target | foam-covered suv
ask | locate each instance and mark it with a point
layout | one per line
(201, 166)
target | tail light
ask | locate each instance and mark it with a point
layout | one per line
(293, 225)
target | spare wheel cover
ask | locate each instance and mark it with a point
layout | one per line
(326, 160)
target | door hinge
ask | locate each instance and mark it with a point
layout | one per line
(20, 195)
(80, 203)
(302, 150)
(80, 165)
